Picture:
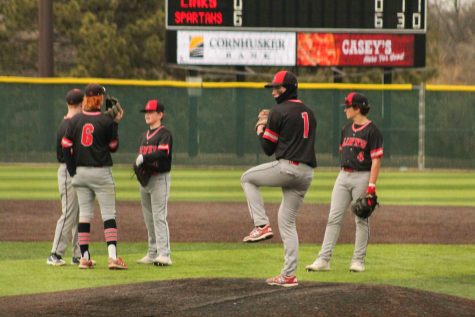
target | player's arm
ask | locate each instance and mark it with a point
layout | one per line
(67, 146)
(162, 152)
(269, 137)
(376, 153)
(114, 140)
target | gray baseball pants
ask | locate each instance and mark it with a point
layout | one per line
(91, 183)
(67, 225)
(294, 181)
(348, 187)
(154, 199)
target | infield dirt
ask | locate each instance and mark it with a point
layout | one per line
(229, 222)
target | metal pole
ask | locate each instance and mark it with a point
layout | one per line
(422, 127)
(45, 28)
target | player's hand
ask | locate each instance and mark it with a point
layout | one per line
(120, 113)
(371, 190)
(139, 160)
(260, 128)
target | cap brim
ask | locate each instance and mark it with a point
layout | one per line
(272, 85)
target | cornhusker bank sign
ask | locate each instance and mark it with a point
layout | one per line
(236, 48)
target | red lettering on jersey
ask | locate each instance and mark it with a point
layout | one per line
(360, 156)
(357, 142)
(86, 135)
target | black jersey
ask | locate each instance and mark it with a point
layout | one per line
(290, 132)
(156, 147)
(92, 136)
(360, 144)
(59, 136)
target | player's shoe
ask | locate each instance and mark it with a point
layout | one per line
(117, 264)
(86, 264)
(55, 260)
(318, 265)
(75, 260)
(146, 260)
(259, 234)
(162, 260)
(283, 280)
(357, 266)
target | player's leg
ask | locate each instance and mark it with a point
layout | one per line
(362, 224)
(293, 196)
(60, 240)
(341, 199)
(146, 202)
(104, 188)
(160, 193)
(86, 212)
(267, 174)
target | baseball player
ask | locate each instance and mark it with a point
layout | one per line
(67, 223)
(92, 136)
(155, 157)
(290, 135)
(361, 151)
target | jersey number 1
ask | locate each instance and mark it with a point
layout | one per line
(86, 136)
(305, 124)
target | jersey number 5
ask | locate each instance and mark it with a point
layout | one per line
(305, 124)
(86, 136)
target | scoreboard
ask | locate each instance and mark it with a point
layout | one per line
(393, 16)
(371, 33)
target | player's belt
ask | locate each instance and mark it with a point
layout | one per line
(347, 169)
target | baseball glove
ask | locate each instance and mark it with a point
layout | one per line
(113, 107)
(364, 206)
(142, 174)
(262, 118)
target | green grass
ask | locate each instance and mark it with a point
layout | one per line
(432, 188)
(444, 269)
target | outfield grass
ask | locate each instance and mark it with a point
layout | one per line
(443, 188)
(444, 269)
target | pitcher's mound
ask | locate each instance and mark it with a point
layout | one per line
(238, 297)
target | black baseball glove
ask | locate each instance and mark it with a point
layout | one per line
(142, 174)
(364, 206)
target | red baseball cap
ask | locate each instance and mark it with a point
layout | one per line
(154, 105)
(283, 78)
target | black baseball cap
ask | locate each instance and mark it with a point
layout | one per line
(283, 78)
(356, 99)
(74, 96)
(154, 105)
(95, 90)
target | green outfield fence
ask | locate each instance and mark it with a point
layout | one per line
(424, 126)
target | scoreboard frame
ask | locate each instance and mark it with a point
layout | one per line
(334, 16)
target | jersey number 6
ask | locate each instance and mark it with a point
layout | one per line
(86, 136)
(305, 124)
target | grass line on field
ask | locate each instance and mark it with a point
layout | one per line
(433, 188)
(24, 269)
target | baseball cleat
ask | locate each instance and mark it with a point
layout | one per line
(55, 260)
(318, 265)
(283, 280)
(357, 266)
(146, 260)
(86, 264)
(75, 260)
(162, 260)
(117, 264)
(259, 234)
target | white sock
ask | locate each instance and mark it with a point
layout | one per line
(111, 248)
(86, 255)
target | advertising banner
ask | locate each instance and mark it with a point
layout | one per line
(349, 49)
(236, 48)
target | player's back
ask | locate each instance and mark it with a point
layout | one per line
(93, 133)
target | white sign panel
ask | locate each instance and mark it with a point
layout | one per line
(236, 48)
